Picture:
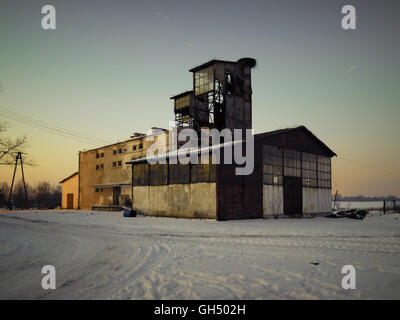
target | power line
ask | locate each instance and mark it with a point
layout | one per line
(77, 136)
(47, 130)
(53, 132)
(371, 167)
(51, 128)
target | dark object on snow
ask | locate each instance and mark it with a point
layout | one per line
(130, 213)
(315, 263)
(358, 214)
(341, 214)
(352, 214)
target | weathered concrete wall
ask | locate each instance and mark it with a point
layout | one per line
(197, 200)
(317, 200)
(70, 186)
(272, 200)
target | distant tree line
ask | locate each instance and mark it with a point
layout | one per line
(361, 198)
(42, 196)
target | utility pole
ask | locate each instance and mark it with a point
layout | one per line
(18, 157)
(334, 202)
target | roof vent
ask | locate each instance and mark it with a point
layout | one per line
(249, 62)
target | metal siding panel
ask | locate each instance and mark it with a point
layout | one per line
(272, 200)
(310, 200)
(325, 200)
(316, 200)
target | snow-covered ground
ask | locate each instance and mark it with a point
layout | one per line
(105, 256)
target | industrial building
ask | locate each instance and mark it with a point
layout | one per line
(292, 167)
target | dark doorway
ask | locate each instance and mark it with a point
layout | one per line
(70, 200)
(239, 197)
(292, 196)
(116, 194)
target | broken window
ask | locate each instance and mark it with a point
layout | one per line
(204, 80)
(230, 87)
(182, 102)
(309, 169)
(324, 171)
(292, 163)
(219, 97)
(272, 170)
(211, 107)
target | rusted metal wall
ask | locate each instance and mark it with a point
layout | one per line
(315, 194)
(240, 197)
(238, 111)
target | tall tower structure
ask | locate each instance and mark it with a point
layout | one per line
(221, 96)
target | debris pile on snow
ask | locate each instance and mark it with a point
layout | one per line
(352, 214)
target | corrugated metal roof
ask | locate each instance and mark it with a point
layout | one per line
(263, 135)
(181, 94)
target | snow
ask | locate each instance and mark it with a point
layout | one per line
(102, 255)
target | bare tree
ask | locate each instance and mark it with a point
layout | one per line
(4, 191)
(19, 200)
(10, 146)
(42, 196)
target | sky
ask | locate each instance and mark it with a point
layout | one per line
(110, 67)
